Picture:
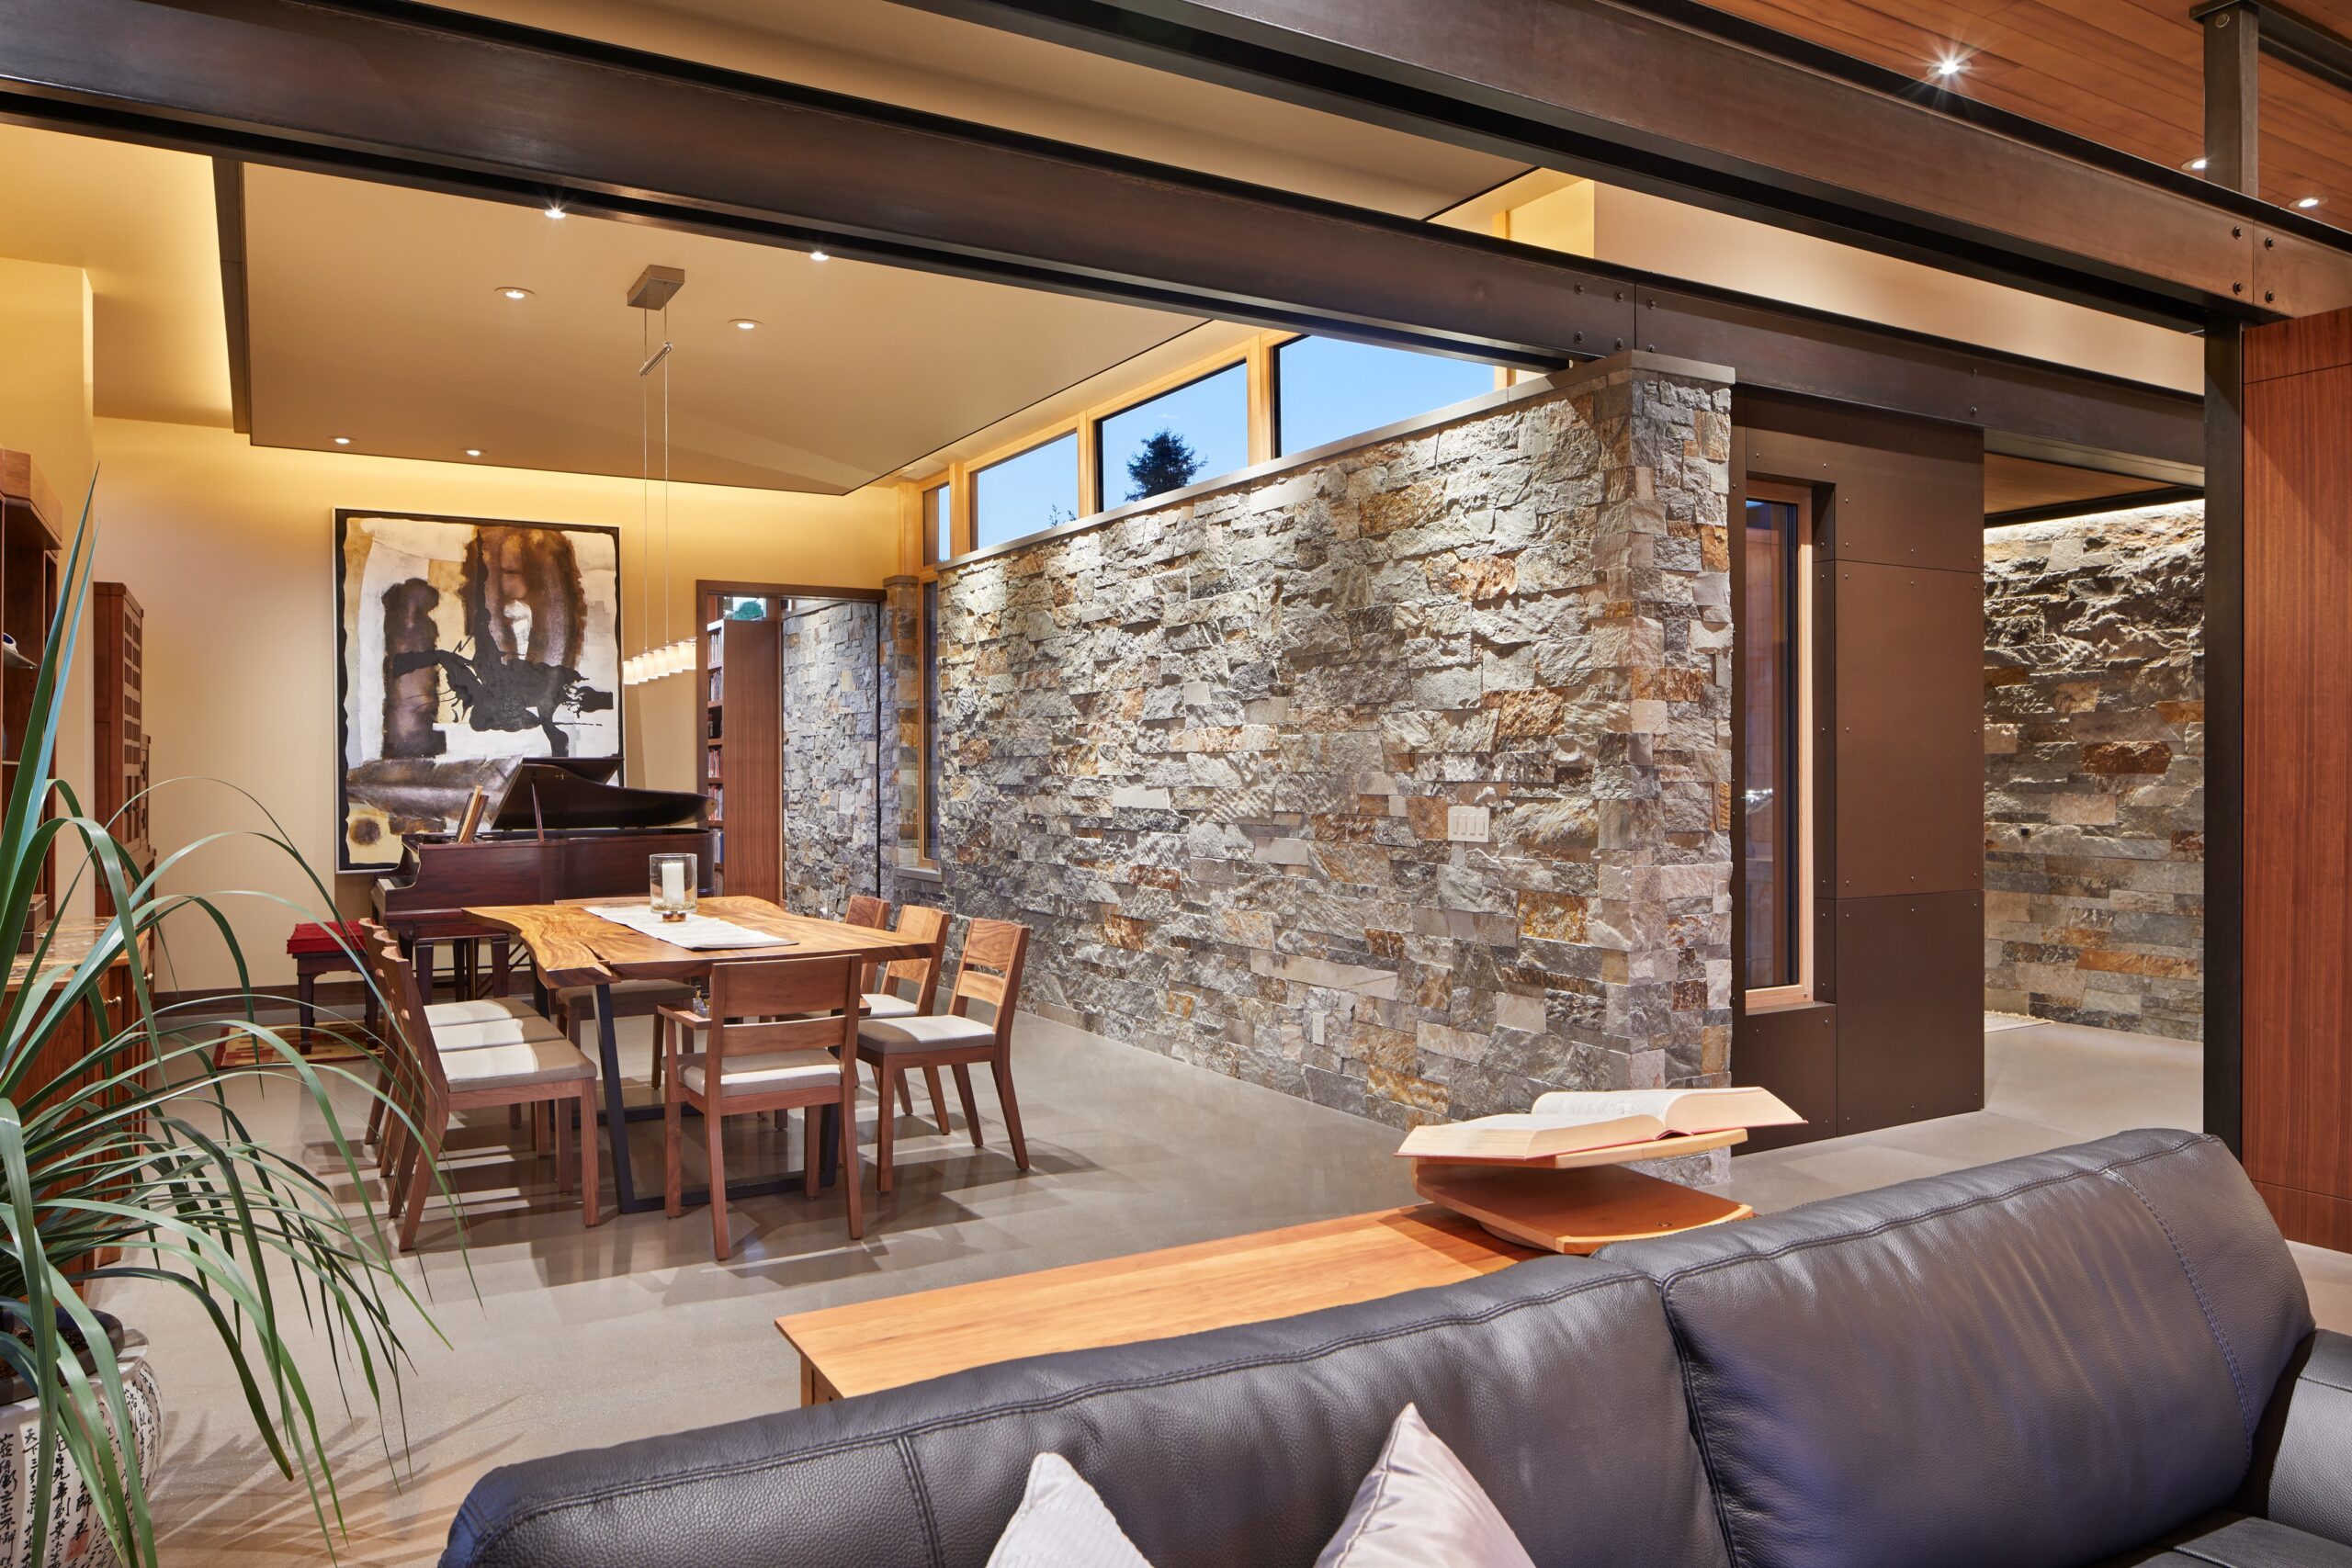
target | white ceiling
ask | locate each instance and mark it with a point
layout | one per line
(376, 315)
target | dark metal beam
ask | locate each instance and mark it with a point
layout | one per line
(457, 103)
(2233, 94)
(2093, 505)
(2292, 38)
(1674, 97)
(2225, 731)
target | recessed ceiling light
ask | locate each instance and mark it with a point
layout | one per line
(743, 323)
(473, 451)
(1950, 65)
(343, 440)
(2197, 165)
(2308, 202)
(513, 291)
(554, 211)
(819, 255)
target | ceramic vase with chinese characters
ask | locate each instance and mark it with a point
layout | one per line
(75, 1536)
(673, 885)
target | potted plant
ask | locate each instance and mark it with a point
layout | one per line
(123, 1158)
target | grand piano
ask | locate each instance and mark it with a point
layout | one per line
(559, 829)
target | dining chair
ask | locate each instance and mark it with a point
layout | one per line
(458, 1025)
(760, 1059)
(487, 1062)
(989, 973)
(888, 999)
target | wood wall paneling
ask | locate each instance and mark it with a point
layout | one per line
(1910, 1008)
(1793, 1052)
(751, 757)
(1910, 729)
(2298, 792)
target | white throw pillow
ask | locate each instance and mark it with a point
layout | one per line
(1062, 1523)
(1420, 1507)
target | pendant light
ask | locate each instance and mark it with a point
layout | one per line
(653, 291)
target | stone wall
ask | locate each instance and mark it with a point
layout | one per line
(833, 802)
(1397, 780)
(2094, 737)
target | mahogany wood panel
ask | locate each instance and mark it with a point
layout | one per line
(750, 763)
(1908, 753)
(2309, 1217)
(2298, 833)
(2300, 346)
(576, 948)
(2127, 73)
(853, 1350)
(1910, 1008)
(2016, 484)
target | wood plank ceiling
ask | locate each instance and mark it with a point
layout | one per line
(2123, 73)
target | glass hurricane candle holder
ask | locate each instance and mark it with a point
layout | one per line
(674, 886)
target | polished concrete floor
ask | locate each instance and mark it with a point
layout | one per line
(558, 1336)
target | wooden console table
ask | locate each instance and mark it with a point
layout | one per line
(893, 1340)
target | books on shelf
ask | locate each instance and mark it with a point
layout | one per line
(1574, 1121)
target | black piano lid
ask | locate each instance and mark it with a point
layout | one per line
(568, 793)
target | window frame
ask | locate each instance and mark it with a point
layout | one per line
(1274, 387)
(1806, 818)
(1151, 393)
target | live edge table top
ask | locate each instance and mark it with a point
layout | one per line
(865, 1346)
(575, 947)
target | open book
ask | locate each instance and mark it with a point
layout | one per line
(1571, 1122)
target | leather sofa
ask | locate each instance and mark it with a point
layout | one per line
(2101, 1356)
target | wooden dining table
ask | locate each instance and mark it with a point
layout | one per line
(572, 947)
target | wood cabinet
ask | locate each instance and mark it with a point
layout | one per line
(740, 672)
(30, 570)
(118, 747)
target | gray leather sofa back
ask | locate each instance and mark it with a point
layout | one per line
(2034, 1363)
(1556, 1381)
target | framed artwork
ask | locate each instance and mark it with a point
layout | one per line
(462, 646)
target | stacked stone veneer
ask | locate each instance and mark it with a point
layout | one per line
(835, 802)
(1397, 780)
(2094, 770)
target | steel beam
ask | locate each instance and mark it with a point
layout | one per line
(2224, 732)
(1673, 98)
(2233, 94)
(457, 103)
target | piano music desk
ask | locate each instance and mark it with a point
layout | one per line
(572, 947)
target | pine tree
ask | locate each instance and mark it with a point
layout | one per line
(1166, 463)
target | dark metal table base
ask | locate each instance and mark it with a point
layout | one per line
(620, 1113)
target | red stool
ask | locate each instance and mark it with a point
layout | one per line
(315, 952)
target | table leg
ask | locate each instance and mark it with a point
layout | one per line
(306, 986)
(501, 966)
(608, 1052)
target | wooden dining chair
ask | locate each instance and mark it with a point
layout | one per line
(906, 987)
(490, 1062)
(458, 1025)
(760, 1059)
(989, 973)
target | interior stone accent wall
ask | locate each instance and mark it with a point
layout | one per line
(832, 809)
(1397, 780)
(2094, 770)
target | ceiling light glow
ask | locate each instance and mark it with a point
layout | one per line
(554, 211)
(1950, 65)
(2308, 202)
(513, 291)
(473, 451)
(2197, 165)
(343, 440)
(819, 255)
(743, 324)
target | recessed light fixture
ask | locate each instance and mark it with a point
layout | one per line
(343, 440)
(819, 255)
(2308, 202)
(1950, 65)
(473, 451)
(2197, 165)
(743, 323)
(513, 291)
(554, 211)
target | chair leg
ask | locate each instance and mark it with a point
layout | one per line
(721, 1243)
(376, 1106)
(673, 1154)
(1002, 1068)
(964, 1093)
(812, 1146)
(853, 1178)
(560, 1112)
(938, 1101)
(885, 1128)
(592, 1196)
(427, 1157)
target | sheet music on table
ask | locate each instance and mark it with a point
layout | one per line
(698, 934)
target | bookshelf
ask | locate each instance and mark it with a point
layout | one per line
(118, 742)
(739, 682)
(29, 572)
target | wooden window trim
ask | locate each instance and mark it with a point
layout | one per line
(1766, 999)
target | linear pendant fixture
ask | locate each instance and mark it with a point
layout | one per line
(653, 291)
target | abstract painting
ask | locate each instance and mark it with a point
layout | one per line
(463, 645)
